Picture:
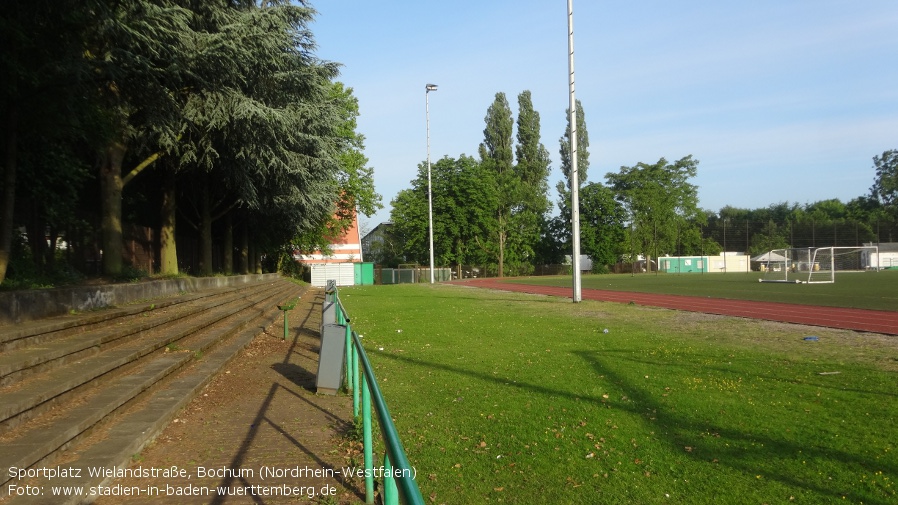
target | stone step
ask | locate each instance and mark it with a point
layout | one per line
(57, 347)
(36, 331)
(43, 391)
(125, 410)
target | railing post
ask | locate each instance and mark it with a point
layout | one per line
(348, 354)
(355, 381)
(391, 492)
(368, 450)
(286, 307)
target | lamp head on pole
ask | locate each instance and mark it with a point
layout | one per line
(430, 87)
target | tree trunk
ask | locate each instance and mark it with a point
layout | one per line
(229, 245)
(111, 198)
(501, 255)
(168, 245)
(52, 242)
(502, 236)
(9, 192)
(35, 230)
(206, 233)
(244, 249)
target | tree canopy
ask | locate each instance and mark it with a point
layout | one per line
(885, 184)
(660, 202)
(207, 112)
(463, 222)
(497, 157)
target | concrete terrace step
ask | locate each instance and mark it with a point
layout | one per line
(76, 341)
(52, 384)
(130, 391)
(21, 307)
(135, 428)
(36, 331)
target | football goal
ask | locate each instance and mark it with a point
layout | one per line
(816, 265)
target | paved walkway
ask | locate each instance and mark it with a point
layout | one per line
(258, 429)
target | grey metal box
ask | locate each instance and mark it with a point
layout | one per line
(328, 314)
(331, 359)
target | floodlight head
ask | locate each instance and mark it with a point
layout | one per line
(430, 87)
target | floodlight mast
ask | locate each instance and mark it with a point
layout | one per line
(575, 183)
(427, 89)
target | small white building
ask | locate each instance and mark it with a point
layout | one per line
(585, 262)
(722, 263)
(338, 262)
(885, 258)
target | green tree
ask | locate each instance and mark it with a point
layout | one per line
(138, 51)
(46, 121)
(554, 241)
(355, 182)
(475, 197)
(885, 186)
(531, 177)
(410, 221)
(532, 166)
(269, 130)
(770, 237)
(864, 208)
(497, 157)
(561, 226)
(463, 200)
(564, 187)
(531, 172)
(355, 178)
(222, 106)
(826, 210)
(602, 226)
(660, 203)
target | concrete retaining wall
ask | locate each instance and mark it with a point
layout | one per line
(22, 306)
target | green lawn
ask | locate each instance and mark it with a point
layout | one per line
(865, 290)
(503, 397)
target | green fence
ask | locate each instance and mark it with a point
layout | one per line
(398, 475)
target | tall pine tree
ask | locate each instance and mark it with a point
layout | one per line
(564, 186)
(496, 155)
(532, 174)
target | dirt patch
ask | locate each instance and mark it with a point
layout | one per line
(259, 430)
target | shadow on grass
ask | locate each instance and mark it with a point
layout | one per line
(626, 355)
(678, 431)
(683, 432)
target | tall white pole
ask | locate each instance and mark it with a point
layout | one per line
(427, 89)
(575, 184)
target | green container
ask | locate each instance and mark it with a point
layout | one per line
(364, 274)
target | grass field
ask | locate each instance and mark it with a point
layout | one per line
(503, 397)
(861, 290)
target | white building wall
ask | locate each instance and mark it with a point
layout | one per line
(343, 273)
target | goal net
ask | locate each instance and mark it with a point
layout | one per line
(815, 265)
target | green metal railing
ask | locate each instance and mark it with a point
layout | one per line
(398, 475)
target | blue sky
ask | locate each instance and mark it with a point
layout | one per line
(778, 100)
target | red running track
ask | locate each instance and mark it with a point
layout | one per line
(875, 321)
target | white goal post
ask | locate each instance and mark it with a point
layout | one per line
(816, 265)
